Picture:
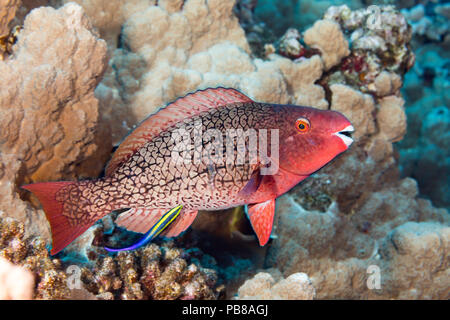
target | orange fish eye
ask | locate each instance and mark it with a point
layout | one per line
(302, 125)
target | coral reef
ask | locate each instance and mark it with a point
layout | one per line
(263, 287)
(290, 45)
(365, 87)
(328, 38)
(414, 250)
(379, 53)
(49, 115)
(153, 272)
(32, 255)
(153, 67)
(424, 153)
(336, 248)
(63, 105)
(279, 15)
(434, 27)
(380, 47)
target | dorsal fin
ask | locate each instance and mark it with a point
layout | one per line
(190, 105)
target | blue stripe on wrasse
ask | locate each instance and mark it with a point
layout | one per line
(154, 231)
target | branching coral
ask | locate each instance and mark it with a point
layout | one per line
(153, 272)
(32, 255)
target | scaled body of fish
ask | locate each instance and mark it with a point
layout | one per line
(143, 176)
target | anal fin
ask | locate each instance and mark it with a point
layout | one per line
(142, 219)
(184, 220)
(154, 231)
(139, 219)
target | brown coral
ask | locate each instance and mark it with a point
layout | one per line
(153, 272)
(50, 279)
(49, 115)
(379, 47)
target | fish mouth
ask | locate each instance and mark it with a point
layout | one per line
(345, 135)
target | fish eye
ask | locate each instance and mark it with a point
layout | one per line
(302, 125)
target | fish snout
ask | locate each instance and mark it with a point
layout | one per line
(345, 135)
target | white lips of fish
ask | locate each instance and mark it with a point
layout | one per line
(346, 139)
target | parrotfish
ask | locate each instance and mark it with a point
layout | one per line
(190, 153)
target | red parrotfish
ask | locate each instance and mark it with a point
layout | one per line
(183, 156)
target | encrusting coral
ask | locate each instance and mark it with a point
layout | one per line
(264, 287)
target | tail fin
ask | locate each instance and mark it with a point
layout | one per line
(63, 233)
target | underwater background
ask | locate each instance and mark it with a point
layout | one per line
(76, 76)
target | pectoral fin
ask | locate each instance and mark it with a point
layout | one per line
(252, 185)
(261, 218)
